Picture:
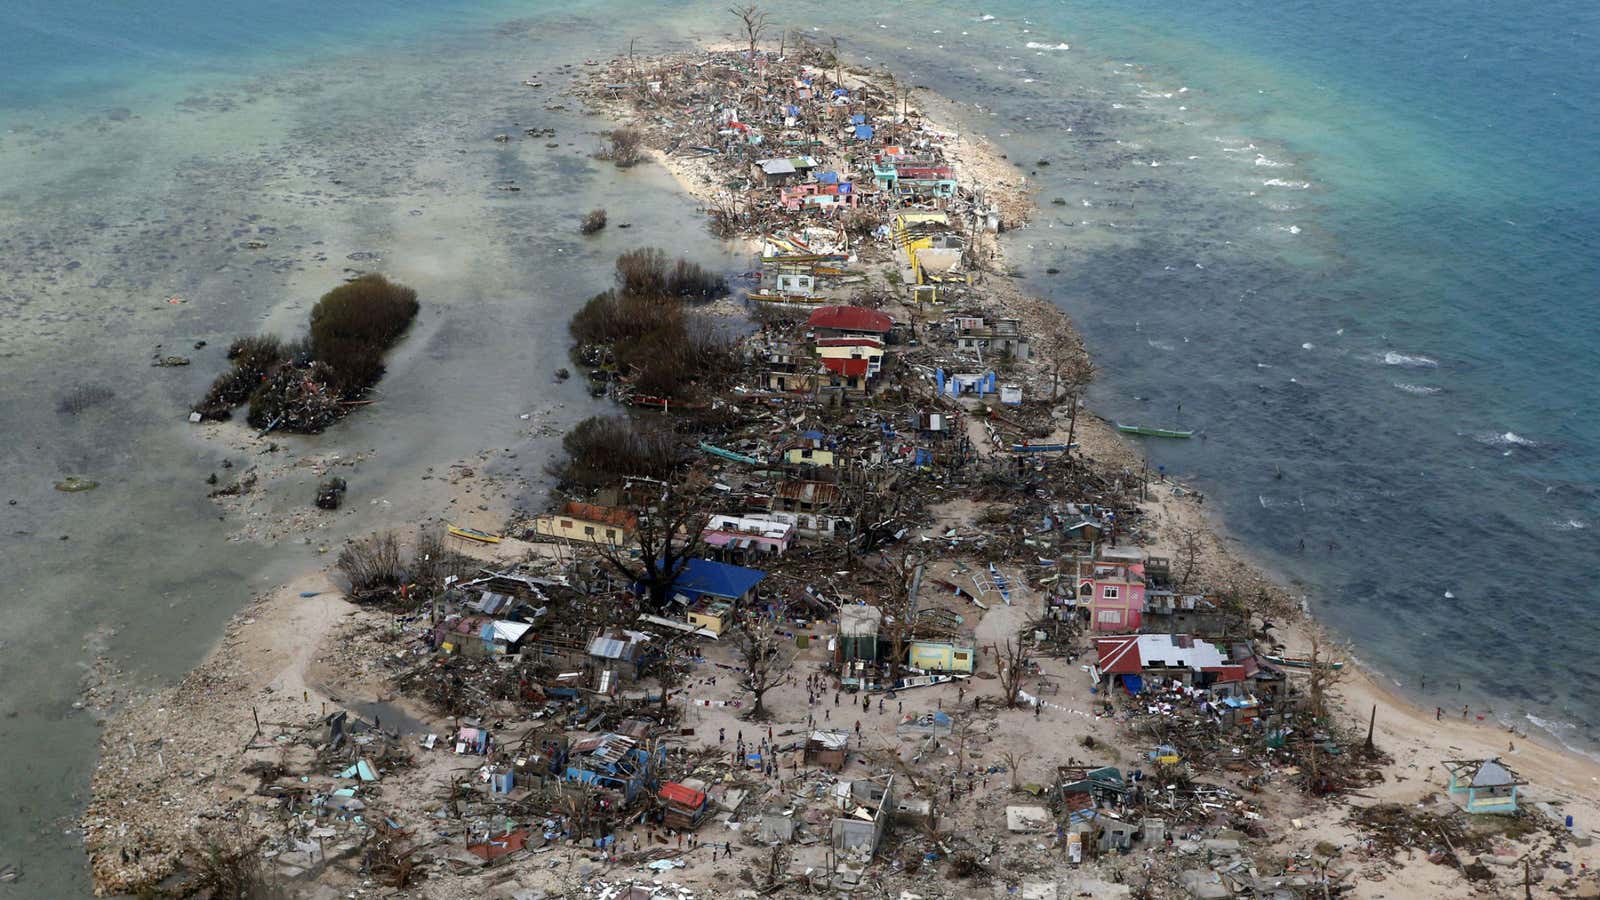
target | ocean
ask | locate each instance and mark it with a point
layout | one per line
(1348, 244)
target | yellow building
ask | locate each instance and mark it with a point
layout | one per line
(940, 656)
(808, 456)
(711, 614)
(586, 523)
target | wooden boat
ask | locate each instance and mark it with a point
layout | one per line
(1147, 431)
(1300, 662)
(473, 534)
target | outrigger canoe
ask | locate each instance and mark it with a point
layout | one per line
(1300, 662)
(1153, 432)
(473, 534)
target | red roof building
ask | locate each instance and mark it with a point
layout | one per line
(849, 320)
(683, 795)
(850, 368)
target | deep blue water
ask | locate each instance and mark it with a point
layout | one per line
(1354, 241)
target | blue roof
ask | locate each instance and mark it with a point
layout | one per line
(828, 177)
(705, 577)
(813, 435)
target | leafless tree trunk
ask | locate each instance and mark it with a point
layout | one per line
(766, 664)
(1189, 553)
(899, 611)
(668, 536)
(754, 20)
(1013, 665)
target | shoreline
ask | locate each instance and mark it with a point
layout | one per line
(991, 167)
(276, 624)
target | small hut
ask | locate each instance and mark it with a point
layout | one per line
(1489, 785)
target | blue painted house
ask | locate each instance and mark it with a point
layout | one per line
(614, 762)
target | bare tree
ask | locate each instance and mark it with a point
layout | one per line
(373, 565)
(766, 665)
(754, 20)
(1071, 371)
(899, 610)
(1011, 759)
(668, 536)
(1189, 550)
(1013, 662)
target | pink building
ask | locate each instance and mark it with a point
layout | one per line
(1112, 593)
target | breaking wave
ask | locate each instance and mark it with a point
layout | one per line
(1421, 390)
(1415, 362)
(1280, 182)
(1559, 731)
(1570, 525)
(1035, 45)
(1270, 163)
(1503, 439)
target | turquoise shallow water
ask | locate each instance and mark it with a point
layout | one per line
(1353, 241)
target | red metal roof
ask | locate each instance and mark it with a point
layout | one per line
(1119, 655)
(847, 367)
(608, 515)
(673, 792)
(850, 318)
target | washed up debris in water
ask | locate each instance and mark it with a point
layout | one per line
(72, 484)
(330, 493)
(169, 362)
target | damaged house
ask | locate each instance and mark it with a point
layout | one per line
(868, 806)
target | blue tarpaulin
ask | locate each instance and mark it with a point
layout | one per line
(863, 132)
(828, 177)
(1133, 683)
(857, 119)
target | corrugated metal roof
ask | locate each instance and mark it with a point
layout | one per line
(608, 648)
(850, 318)
(673, 792)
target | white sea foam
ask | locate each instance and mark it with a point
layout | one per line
(1421, 390)
(1281, 182)
(1291, 229)
(1559, 731)
(1504, 439)
(1159, 345)
(1571, 525)
(1393, 358)
(1035, 45)
(986, 18)
(1270, 163)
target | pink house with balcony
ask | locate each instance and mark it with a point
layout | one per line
(1113, 595)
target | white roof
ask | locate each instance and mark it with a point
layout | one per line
(510, 632)
(762, 526)
(1162, 648)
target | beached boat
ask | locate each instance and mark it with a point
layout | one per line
(1300, 662)
(1147, 431)
(473, 534)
